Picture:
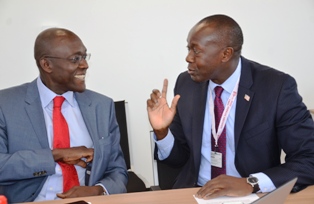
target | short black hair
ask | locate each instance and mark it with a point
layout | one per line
(228, 30)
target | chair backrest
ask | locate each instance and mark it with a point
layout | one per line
(164, 175)
(124, 141)
(135, 183)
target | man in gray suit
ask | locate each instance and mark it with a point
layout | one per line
(28, 160)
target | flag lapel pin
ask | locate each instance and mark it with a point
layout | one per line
(247, 97)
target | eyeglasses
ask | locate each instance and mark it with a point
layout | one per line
(76, 59)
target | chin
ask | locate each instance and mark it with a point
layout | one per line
(197, 79)
(79, 89)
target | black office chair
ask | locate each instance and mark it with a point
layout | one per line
(167, 175)
(135, 184)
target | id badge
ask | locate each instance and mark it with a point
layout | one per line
(216, 159)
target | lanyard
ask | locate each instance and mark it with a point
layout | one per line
(225, 114)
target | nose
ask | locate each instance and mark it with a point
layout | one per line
(83, 64)
(190, 57)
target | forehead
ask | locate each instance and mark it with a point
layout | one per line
(67, 45)
(202, 34)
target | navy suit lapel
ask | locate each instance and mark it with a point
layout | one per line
(199, 104)
(244, 99)
(35, 113)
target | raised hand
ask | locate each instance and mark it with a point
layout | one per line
(159, 113)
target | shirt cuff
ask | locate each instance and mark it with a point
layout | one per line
(105, 190)
(164, 146)
(264, 182)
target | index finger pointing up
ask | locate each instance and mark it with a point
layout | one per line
(164, 89)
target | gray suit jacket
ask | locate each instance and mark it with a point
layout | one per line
(274, 118)
(25, 156)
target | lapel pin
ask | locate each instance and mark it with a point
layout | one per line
(247, 97)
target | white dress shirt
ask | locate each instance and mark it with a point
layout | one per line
(79, 136)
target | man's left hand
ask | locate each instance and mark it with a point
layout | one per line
(224, 185)
(82, 191)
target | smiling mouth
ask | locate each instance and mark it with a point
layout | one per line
(81, 77)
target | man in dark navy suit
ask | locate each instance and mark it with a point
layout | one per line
(264, 114)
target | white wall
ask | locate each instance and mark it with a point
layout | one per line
(137, 43)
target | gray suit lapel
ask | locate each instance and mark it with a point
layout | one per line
(244, 99)
(35, 113)
(89, 117)
(88, 114)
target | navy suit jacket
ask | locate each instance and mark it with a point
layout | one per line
(25, 157)
(274, 118)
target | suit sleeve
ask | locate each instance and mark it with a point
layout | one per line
(17, 163)
(295, 132)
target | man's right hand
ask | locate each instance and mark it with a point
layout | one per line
(159, 113)
(76, 155)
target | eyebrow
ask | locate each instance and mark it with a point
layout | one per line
(79, 53)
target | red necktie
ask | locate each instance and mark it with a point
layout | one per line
(218, 109)
(61, 139)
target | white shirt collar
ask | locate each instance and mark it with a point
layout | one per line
(46, 95)
(230, 83)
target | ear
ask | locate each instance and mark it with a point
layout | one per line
(45, 65)
(227, 54)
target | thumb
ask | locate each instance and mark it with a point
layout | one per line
(174, 103)
(61, 195)
(65, 194)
